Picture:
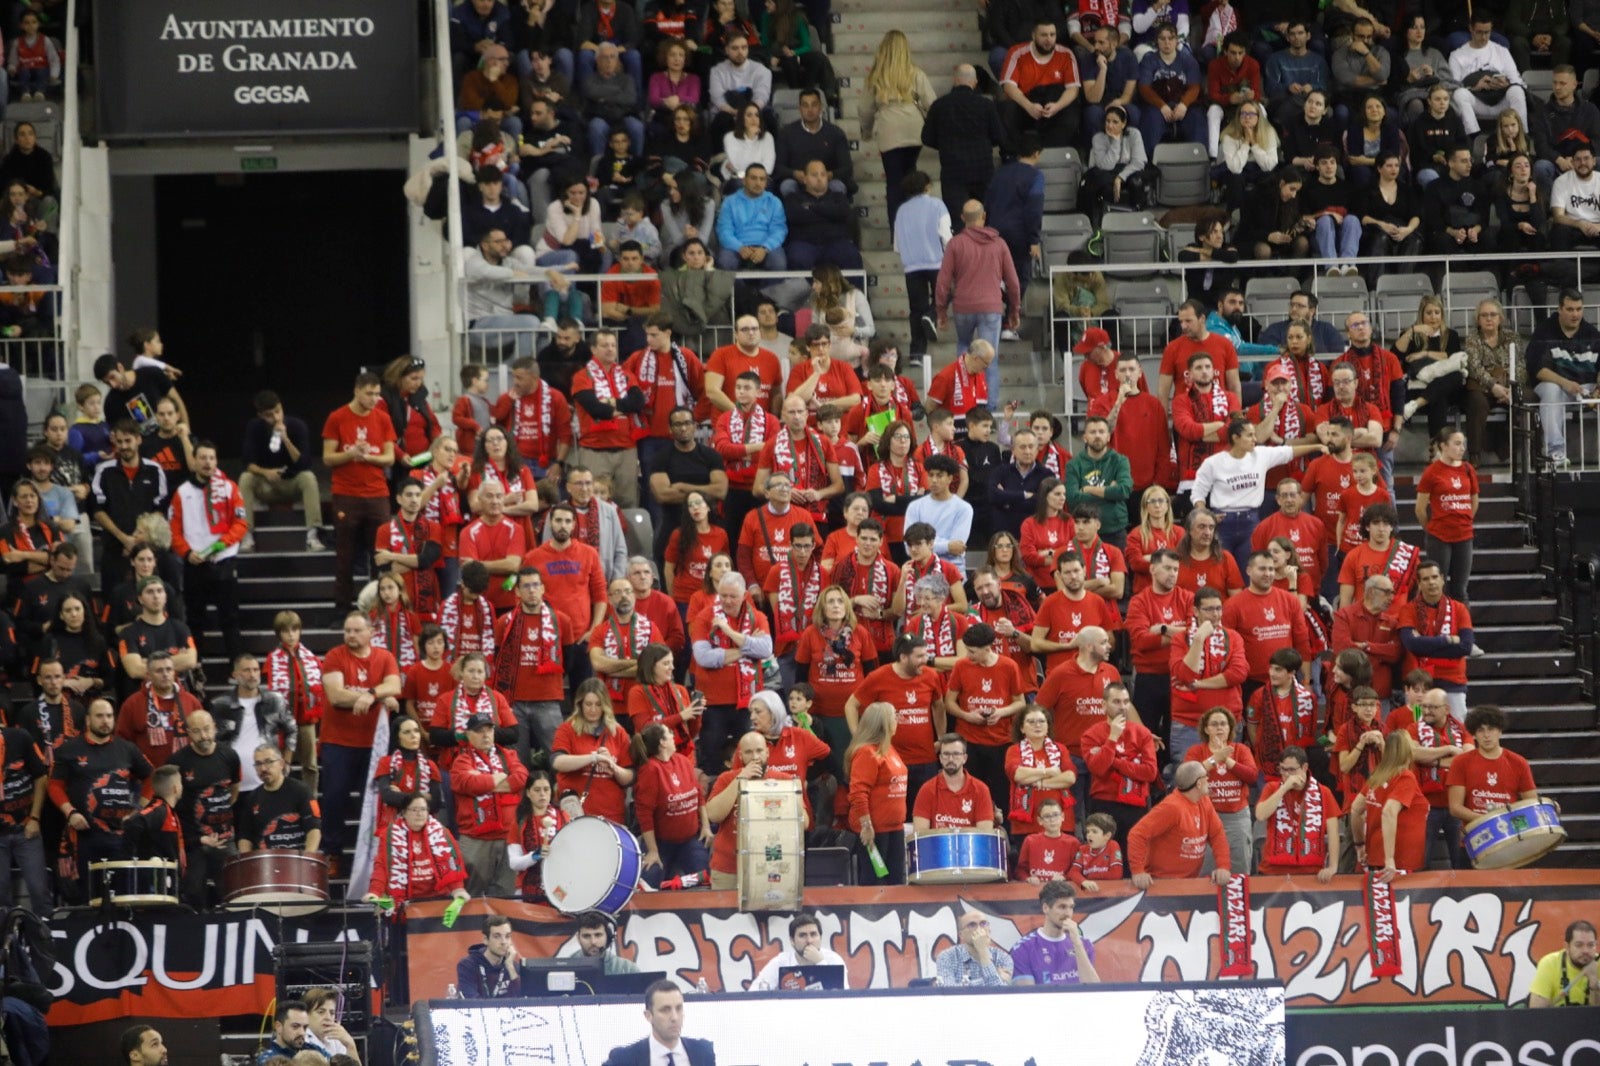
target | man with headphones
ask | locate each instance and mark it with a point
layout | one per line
(597, 939)
(489, 970)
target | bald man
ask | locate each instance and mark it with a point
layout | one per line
(211, 775)
(978, 282)
(1171, 840)
(964, 127)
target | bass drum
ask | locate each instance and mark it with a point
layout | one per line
(956, 857)
(593, 864)
(137, 883)
(1522, 833)
(289, 883)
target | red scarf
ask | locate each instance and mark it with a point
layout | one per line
(1297, 834)
(391, 631)
(1297, 713)
(610, 386)
(1097, 558)
(1216, 400)
(429, 851)
(907, 480)
(978, 386)
(406, 539)
(1401, 566)
(486, 806)
(455, 627)
(640, 632)
(1308, 381)
(1055, 459)
(534, 431)
(1428, 737)
(938, 631)
(747, 429)
(463, 707)
(744, 665)
(297, 676)
(1022, 797)
(1287, 425)
(810, 474)
(546, 647)
(1436, 621)
(409, 771)
(793, 611)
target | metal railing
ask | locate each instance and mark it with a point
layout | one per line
(445, 102)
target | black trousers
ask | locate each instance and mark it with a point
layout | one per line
(214, 584)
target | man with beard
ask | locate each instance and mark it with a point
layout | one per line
(535, 415)
(984, 692)
(615, 646)
(670, 375)
(281, 813)
(598, 523)
(358, 446)
(801, 454)
(1100, 477)
(1568, 977)
(1439, 738)
(208, 522)
(528, 670)
(290, 1025)
(609, 403)
(248, 714)
(687, 466)
(95, 785)
(1380, 382)
(211, 775)
(52, 715)
(1007, 612)
(124, 487)
(954, 799)
(153, 718)
(360, 682)
(1139, 431)
(1324, 337)
(574, 584)
(143, 1046)
(1302, 820)
(1070, 610)
(1041, 85)
(1201, 411)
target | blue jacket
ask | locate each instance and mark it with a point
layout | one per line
(1283, 70)
(1015, 204)
(467, 28)
(759, 222)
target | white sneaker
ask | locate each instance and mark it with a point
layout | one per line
(248, 544)
(1477, 651)
(314, 542)
(1410, 409)
(1010, 335)
(930, 327)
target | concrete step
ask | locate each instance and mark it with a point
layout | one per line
(917, 25)
(930, 47)
(869, 165)
(1535, 611)
(1517, 638)
(1578, 800)
(1498, 664)
(1573, 716)
(1555, 770)
(1526, 692)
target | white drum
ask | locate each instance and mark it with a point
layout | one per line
(593, 864)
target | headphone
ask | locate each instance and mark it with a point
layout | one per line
(590, 919)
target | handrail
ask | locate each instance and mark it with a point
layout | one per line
(445, 100)
(71, 197)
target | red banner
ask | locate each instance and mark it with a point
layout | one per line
(1462, 937)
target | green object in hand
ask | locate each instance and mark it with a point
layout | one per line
(510, 583)
(452, 912)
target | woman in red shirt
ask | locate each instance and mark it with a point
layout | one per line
(657, 698)
(1201, 561)
(666, 800)
(689, 552)
(1048, 532)
(394, 623)
(1233, 771)
(1447, 502)
(878, 782)
(405, 404)
(1039, 769)
(538, 821)
(590, 754)
(1155, 531)
(1286, 572)
(720, 564)
(496, 460)
(834, 655)
(1390, 818)
(417, 858)
(893, 482)
(841, 543)
(442, 480)
(1005, 559)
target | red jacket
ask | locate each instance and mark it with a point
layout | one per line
(1120, 772)
(1380, 632)
(1188, 423)
(481, 812)
(1171, 840)
(1148, 609)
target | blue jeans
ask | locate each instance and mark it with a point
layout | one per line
(1335, 240)
(728, 259)
(465, 120)
(984, 325)
(33, 80)
(1233, 533)
(344, 769)
(1184, 737)
(28, 855)
(520, 327)
(1553, 401)
(685, 857)
(1440, 820)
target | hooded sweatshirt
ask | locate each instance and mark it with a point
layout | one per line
(478, 978)
(979, 274)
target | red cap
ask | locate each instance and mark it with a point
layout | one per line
(1093, 338)
(1279, 372)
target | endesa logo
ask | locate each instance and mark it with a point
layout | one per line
(1534, 1052)
(271, 94)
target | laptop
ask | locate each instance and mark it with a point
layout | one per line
(810, 978)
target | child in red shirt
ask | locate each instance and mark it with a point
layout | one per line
(1048, 854)
(1100, 857)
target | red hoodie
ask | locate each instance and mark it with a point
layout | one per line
(976, 262)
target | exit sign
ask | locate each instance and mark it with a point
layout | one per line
(257, 163)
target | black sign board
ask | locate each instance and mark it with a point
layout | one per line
(228, 68)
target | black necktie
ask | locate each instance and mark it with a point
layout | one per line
(671, 1060)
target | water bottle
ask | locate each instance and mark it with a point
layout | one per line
(701, 987)
(875, 856)
(451, 993)
(452, 912)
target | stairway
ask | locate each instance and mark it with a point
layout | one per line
(1530, 668)
(942, 33)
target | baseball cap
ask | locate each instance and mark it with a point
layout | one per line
(1093, 338)
(1278, 372)
(480, 721)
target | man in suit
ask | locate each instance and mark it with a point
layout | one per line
(663, 1008)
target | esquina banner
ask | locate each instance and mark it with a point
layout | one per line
(1469, 937)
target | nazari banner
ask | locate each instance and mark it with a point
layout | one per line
(1465, 937)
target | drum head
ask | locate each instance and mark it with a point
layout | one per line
(583, 863)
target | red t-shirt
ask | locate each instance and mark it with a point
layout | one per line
(1267, 622)
(1353, 503)
(486, 543)
(1375, 372)
(606, 797)
(877, 790)
(1146, 609)
(1230, 789)
(1218, 572)
(344, 427)
(1075, 699)
(1063, 618)
(974, 389)
(689, 575)
(986, 688)
(1047, 858)
(1490, 783)
(945, 809)
(730, 362)
(1450, 490)
(1175, 358)
(538, 675)
(1305, 531)
(831, 678)
(1362, 561)
(573, 579)
(1326, 480)
(424, 686)
(1411, 832)
(666, 798)
(341, 725)
(765, 537)
(912, 699)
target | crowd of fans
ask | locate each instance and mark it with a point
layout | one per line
(932, 610)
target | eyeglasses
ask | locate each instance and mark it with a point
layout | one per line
(982, 923)
(1288, 767)
(259, 763)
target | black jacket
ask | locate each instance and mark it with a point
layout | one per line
(796, 146)
(701, 1053)
(964, 127)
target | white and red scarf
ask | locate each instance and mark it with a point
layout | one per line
(681, 396)
(486, 805)
(1052, 755)
(639, 633)
(1097, 558)
(1308, 379)
(297, 676)
(464, 706)
(461, 637)
(533, 431)
(1436, 621)
(408, 775)
(903, 481)
(745, 666)
(1213, 659)
(1401, 566)
(1055, 459)
(1214, 402)
(964, 383)
(746, 428)
(1428, 737)
(164, 727)
(937, 630)
(1287, 426)
(441, 854)
(1297, 835)
(545, 644)
(810, 474)
(392, 631)
(1301, 705)
(610, 387)
(792, 611)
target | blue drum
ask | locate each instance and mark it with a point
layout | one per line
(956, 856)
(1513, 836)
(592, 865)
